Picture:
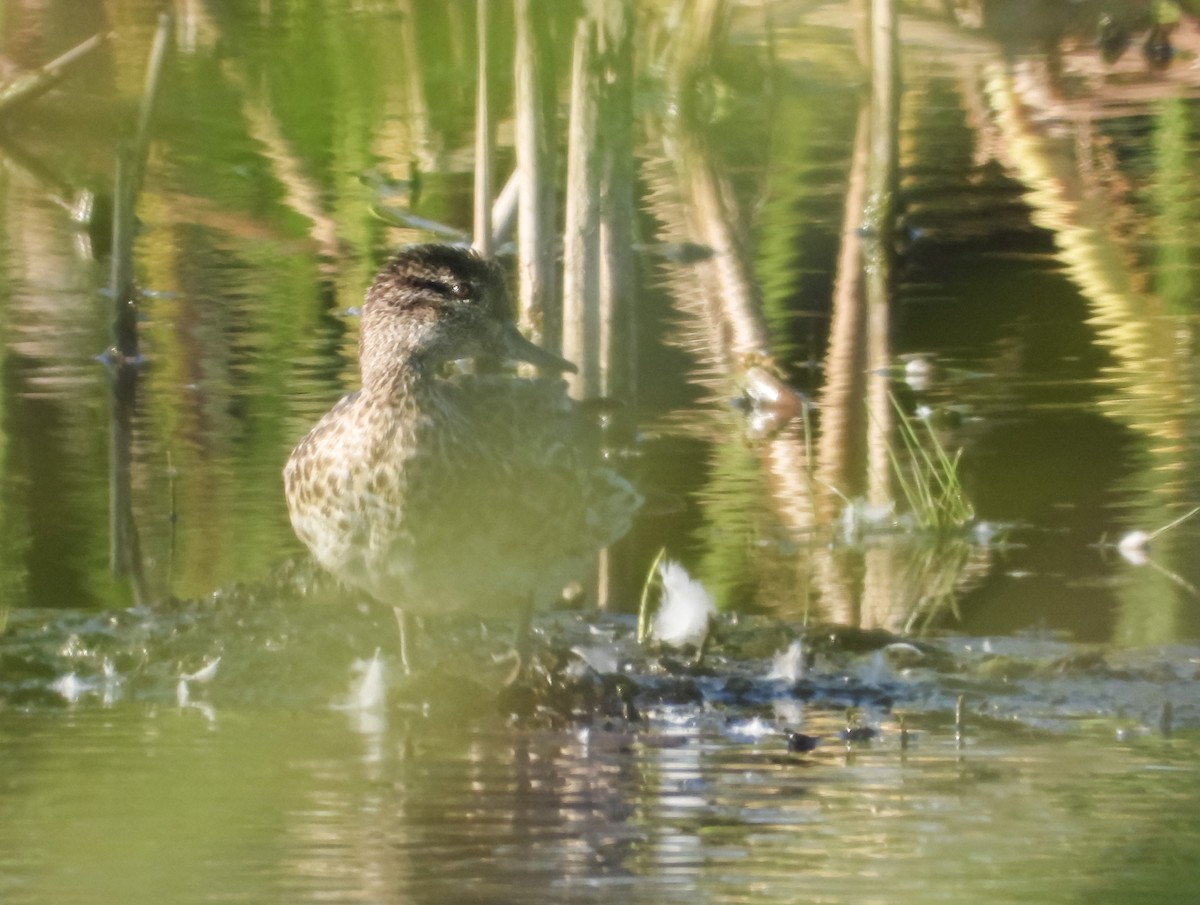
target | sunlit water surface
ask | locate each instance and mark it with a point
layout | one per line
(138, 805)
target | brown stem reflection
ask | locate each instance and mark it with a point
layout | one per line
(856, 418)
(125, 558)
(724, 324)
(534, 108)
(581, 234)
(598, 285)
(890, 580)
(125, 554)
(841, 459)
(878, 222)
(617, 289)
(484, 137)
(598, 266)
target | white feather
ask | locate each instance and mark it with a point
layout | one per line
(686, 607)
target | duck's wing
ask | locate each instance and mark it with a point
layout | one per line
(513, 484)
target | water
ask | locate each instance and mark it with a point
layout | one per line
(1045, 288)
(136, 804)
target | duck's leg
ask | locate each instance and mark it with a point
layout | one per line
(522, 644)
(402, 623)
(524, 640)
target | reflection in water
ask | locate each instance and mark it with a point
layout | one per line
(258, 234)
(750, 552)
(1077, 190)
(1045, 268)
(54, 399)
(489, 815)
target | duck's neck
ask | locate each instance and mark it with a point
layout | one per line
(399, 379)
(399, 357)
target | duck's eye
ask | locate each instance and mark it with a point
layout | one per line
(449, 288)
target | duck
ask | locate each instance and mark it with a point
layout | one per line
(436, 492)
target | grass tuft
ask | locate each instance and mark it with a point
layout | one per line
(928, 476)
(652, 578)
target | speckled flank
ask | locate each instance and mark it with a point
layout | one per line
(438, 493)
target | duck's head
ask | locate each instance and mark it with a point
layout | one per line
(435, 303)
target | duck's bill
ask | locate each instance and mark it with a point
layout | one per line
(518, 347)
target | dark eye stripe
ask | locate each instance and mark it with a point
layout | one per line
(451, 288)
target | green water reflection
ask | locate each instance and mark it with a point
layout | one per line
(283, 131)
(133, 805)
(1047, 256)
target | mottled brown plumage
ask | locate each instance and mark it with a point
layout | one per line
(436, 493)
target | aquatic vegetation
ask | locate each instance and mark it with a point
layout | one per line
(643, 623)
(928, 476)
